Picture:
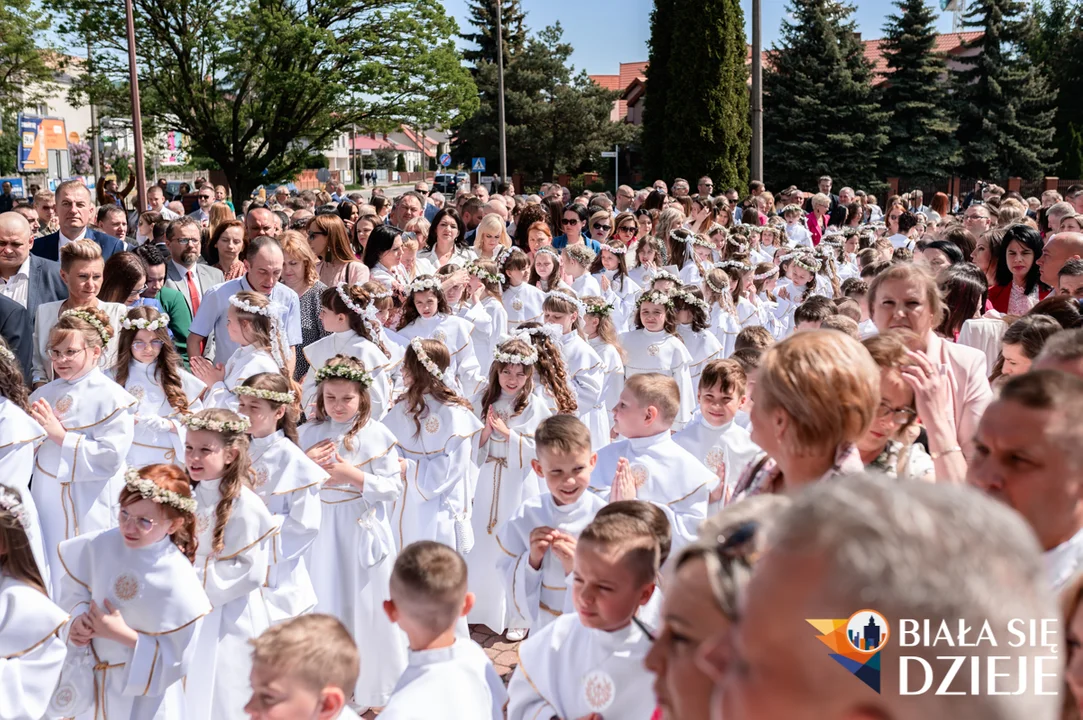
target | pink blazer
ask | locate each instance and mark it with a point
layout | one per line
(968, 383)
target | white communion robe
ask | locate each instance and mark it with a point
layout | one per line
(351, 560)
(725, 327)
(31, 649)
(352, 345)
(703, 346)
(77, 484)
(19, 436)
(217, 685)
(454, 332)
(539, 595)
(624, 291)
(246, 361)
(612, 371)
(523, 303)
(159, 432)
(586, 285)
(505, 480)
(159, 596)
(289, 483)
(584, 369)
(440, 474)
(457, 682)
(570, 671)
(661, 352)
(728, 446)
(665, 474)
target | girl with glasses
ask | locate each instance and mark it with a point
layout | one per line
(149, 368)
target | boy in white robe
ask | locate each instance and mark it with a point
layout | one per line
(590, 663)
(308, 665)
(448, 677)
(538, 541)
(658, 470)
(714, 437)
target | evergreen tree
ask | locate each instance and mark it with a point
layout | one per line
(921, 130)
(656, 97)
(483, 18)
(821, 114)
(707, 127)
(1057, 47)
(1004, 100)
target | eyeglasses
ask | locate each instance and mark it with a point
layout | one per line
(570, 221)
(142, 524)
(185, 241)
(206, 197)
(65, 354)
(599, 226)
(141, 345)
(707, 184)
(628, 228)
(899, 416)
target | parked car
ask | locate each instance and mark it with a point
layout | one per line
(445, 182)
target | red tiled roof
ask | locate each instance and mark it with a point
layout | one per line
(630, 71)
(365, 142)
(948, 44)
(609, 82)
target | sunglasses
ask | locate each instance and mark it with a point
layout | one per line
(628, 228)
(570, 221)
(599, 226)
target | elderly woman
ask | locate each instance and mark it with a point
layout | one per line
(906, 296)
(817, 219)
(335, 260)
(815, 397)
(299, 274)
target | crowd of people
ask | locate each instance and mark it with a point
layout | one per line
(279, 459)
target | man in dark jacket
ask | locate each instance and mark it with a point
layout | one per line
(74, 207)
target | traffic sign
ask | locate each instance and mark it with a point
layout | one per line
(445, 160)
(609, 153)
(477, 165)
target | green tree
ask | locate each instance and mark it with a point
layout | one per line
(1056, 46)
(483, 18)
(1004, 100)
(261, 87)
(400, 163)
(921, 129)
(24, 65)
(656, 96)
(706, 126)
(821, 114)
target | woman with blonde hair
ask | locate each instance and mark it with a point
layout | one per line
(600, 226)
(299, 274)
(219, 213)
(335, 259)
(491, 235)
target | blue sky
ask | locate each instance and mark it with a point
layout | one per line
(605, 33)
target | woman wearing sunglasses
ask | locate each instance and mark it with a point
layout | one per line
(574, 223)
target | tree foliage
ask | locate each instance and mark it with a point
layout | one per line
(921, 129)
(1056, 45)
(259, 87)
(24, 64)
(656, 95)
(483, 18)
(820, 112)
(1004, 100)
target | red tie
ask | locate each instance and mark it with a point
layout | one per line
(194, 292)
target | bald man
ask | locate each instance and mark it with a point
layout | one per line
(27, 279)
(1060, 248)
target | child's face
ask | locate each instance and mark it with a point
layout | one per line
(206, 456)
(281, 696)
(73, 358)
(146, 346)
(262, 413)
(473, 284)
(609, 260)
(144, 522)
(799, 275)
(646, 254)
(566, 474)
(718, 405)
(512, 378)
(332, 321)
(341, 399)
(705, 254)
(653, 316)
(426, 303)
(409, 255)
(663, 285)
(590, 324)
(605, 591)
(543, 263)
(236, 328)
(565, 320)
(849, 245)
(515, 276)
(630, 417)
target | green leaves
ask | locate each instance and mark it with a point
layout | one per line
(23, 65)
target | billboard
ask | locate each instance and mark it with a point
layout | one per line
(175, 151)
(43, 145)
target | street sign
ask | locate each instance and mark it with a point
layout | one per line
(445, 160)
(609, 153)
(477, 165)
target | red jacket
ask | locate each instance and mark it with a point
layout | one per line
(999, 296)
(815, 229)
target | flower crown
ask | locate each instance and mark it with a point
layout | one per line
(549, 330)
(344, 372)
(484, 275)
(735, 264)
(602, 309)
(661, 274)
(424, 284)
(6, 354)
(383, 295)
(689, 299)
(282, 398)
(11, 502)
(658, 297)
(713, 287)
(501, 259)
(791, 208)
(699, 240)
(615, 249)
(742, 248)
(273, 311)
(516, 358)
(444, 376)
(805, 262)
(159, 323)
(347, 300)
(219, 426)
(587, 258)
(150, 490)
(93, 321)
(770, 273)
(545, 249)
(579, 306)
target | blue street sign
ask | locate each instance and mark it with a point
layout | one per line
(477, 165)
(445, 160)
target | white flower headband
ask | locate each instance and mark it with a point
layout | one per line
(770, 273)
(282, 398)
(150, 490)
(702, 241)
(805, 262)
(272, 311)
(94, 322)
(689, 299)
(601, 309)
(546, 250)
(381, 295)
(11, 502)
(424, 284)
(6, 354)
(664, 275)
(347, 301)
(342, 372)
(735, 264)
(549, 330)
(219, 426)
(579, 306)
(501, 259)
(444, 376)
(658, 297)
(483, 274)
(615, 249)
(516, 358)
(159, 323)
(741, 247)
(791, 208)
(712, 286)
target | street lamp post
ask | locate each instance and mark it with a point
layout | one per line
(757, 95)
(500, 93)
(137, 120)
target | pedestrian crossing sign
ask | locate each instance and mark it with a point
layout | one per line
(477, 165)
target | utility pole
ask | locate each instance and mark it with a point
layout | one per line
(95, 159)
(137, 120)
(500, 96)
(757, 94)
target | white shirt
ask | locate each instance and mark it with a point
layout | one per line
(64, 240)
(184, 272)
(165, 212)
(18, 285)
(1063, 562)
(898, 240)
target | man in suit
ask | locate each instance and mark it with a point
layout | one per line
(74, 208)
(17, 329)
(205, 197)
(184, 272)
(25, 278)
(824, 184)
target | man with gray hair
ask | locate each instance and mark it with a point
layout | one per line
(1063, 351)
(913, 551)
(1056, 213)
